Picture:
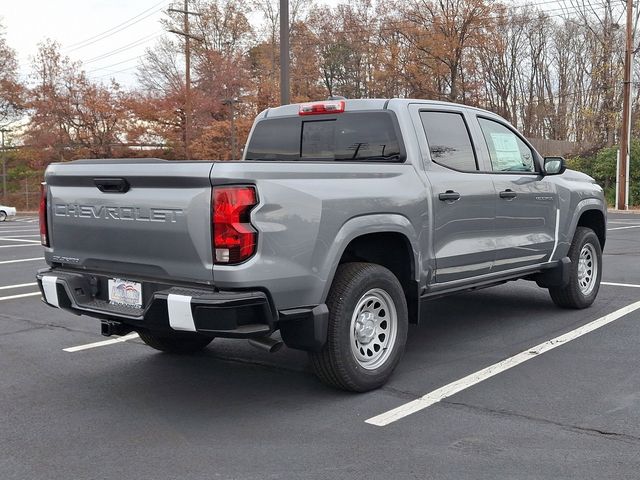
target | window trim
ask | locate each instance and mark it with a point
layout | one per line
(466, 125)
(536, 155)
(328, 117)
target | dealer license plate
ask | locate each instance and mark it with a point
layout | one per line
(125, 292)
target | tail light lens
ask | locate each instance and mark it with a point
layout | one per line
(234, 238)
(42, 212)
(321, 108)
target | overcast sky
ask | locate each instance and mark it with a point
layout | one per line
(27, 22)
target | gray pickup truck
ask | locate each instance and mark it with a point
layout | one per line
(341, 221)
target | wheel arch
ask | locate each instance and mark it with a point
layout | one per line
(387, 240)
(595, 220)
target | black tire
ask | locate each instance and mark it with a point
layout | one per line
(180, 343)
(336, 364)
(3, 216)
(571, 296)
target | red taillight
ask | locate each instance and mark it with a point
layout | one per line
(234, 239)
(42, 211)
(321, 108)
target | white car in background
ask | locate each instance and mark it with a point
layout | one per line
(6, 212)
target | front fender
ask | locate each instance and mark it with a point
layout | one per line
(572, 217)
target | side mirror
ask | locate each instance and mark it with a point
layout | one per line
(554, 165)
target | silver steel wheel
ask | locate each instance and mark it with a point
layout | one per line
(587, 269)
(373, 330)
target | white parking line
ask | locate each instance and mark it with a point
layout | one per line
(21, 285)
(25, 220)
(623, 228)
(22, 295)
(37, 244)
(630, 285)
(18, 231)
(130, 336)
(19, 236)
(13, 239)
(20, 260)
(470, 380)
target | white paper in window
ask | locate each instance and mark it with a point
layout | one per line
(507, 153)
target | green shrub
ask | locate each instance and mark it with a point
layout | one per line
(602, 167)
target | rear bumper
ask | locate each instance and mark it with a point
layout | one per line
(237, 314)
(245, 314)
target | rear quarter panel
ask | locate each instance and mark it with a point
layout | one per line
(309, 212)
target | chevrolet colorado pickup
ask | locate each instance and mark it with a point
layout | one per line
(341, 221)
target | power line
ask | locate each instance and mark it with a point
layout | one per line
(137, 57)
(126, 47)
(118, 28)
(112, 73)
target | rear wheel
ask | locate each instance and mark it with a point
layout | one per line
(586, 271)
(181, 343)
(367, 328)
(3, 215)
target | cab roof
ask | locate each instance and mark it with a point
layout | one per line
(366, 104)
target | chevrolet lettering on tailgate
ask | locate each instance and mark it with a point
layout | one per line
(118, 213)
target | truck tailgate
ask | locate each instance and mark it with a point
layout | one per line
(132, 218)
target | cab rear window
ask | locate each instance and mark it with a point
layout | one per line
(354, 136)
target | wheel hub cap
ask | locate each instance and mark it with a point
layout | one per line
(373, 328)
(587, 269)
(365, 327)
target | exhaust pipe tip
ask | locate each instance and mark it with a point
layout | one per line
(266, 343)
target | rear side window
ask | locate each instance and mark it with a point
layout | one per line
(449, 141)
(356, 136)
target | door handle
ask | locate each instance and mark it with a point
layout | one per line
(508, 193)
(449, 195)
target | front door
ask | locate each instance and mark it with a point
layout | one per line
(526, 204)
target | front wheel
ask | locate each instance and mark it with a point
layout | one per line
(181, 343)
(586, 271)
(367, 328)
(3, 215)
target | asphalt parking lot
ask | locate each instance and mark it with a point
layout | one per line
(123, 411)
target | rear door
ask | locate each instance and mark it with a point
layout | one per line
(526, 204)
(463, 199)
(132, 219)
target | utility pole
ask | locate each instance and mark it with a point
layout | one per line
(232, 102)
(187, 66)
(284, 52)
(625, 137)
(4, 165)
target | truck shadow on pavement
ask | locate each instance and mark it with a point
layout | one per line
(231, 378)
